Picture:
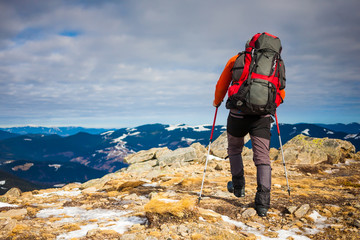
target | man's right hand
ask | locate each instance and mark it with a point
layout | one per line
(216, 105)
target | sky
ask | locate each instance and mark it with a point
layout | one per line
(121, 63)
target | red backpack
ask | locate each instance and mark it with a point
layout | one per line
(257, 76)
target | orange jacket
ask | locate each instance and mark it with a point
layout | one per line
(225, 80)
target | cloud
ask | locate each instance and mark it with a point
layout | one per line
(160, 60)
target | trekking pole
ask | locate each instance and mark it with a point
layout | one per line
(207, 157)
(282, 154)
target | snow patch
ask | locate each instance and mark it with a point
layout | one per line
(150, 184)
(350, 136)
(106, 220)
(306, 132)
(212, 157)
(328, 131)
(199, 128)
(282, 234)
(319, 222)
(73, 193)
(121, 139)
(28, 139)
(188, 140)
(107, 133)
(2, 205)
(56, 166)
(2, 182)
(330, 171)
(317, 218)
(59, 185)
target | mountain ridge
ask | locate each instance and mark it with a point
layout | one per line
(157, 197)
(105, 152)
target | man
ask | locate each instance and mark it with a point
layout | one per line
(240, 123)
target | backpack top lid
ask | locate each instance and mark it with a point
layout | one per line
(265, 41)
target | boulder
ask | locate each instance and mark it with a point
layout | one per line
(14, 213)
(179, 156)
(142, 166)
(302, 211)
(308, 150)
(219, 146)
(200, 151)
(144, 155)
(13, 192)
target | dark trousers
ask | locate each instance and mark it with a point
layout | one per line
(259, 129)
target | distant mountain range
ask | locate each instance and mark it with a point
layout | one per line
(61, 131)
(75, 154)
(288, 131)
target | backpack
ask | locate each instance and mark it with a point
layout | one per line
(257, 76)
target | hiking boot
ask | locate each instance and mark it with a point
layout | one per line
(238, 192)
(262, 200)
(261, 211)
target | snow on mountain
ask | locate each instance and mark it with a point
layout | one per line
(352, 136)
(56, 166)
(306, 132)
(120, 139)
(199, 128)
(107, 132)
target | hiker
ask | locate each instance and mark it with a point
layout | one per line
(251, 113)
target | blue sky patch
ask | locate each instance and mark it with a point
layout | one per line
(70, 33)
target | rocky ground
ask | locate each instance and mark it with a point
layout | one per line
(161, 202)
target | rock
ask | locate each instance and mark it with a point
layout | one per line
(273, 153)
(183, 230)
(333, 208)
(250, 212)
(209, 214)
(89, 190)
(356, 223)
(200, 151)
(7, 224)
(13, 192)
(308, 150)
(302, 211)
(337, 226)
(291, 209)
(129, 185)
(254, 225)
(128, 237)
(142, 166)
(219, 146)
(180, 155)
(97, 183)
(102, 234)
(154, 174)
(133, 197)
(218, 167)
(223, 194)
(141, 156)
(247, 154)
(14, 213)
(271, 234)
